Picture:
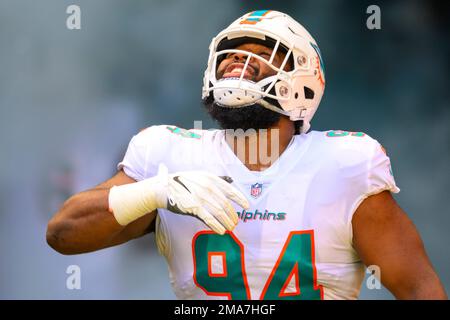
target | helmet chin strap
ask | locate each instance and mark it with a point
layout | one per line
(270, 106)
(261, 102)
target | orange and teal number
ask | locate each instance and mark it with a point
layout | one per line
(296, 263)
(233, 284)
(340, 133)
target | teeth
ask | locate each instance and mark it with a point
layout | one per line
(236, 70)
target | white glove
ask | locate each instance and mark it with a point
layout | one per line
(197, 193)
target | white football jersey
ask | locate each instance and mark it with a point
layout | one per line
(295, 240)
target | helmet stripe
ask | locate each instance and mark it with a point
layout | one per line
(322, 65)
(255, 17)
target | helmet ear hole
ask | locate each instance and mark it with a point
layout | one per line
(309, 93)
(298, 126)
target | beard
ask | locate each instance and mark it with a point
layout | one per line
(254, 116)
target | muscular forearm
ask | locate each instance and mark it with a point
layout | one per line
(425, 286)
(426, 294)
(83, 224)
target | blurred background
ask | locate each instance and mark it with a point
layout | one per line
(70, 101)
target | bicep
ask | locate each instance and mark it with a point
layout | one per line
(384, 236)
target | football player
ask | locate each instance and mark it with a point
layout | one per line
(300, 224)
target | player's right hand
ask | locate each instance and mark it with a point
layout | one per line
(197, 193)
(204, 196)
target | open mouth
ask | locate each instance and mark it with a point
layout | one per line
(234, 70)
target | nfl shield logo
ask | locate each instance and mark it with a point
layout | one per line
(255, 190)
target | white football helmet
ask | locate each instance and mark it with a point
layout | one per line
(295, 93)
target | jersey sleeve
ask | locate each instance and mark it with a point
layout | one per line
(378, 177)
(144, 153)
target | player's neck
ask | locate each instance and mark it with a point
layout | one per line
(259, 149)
